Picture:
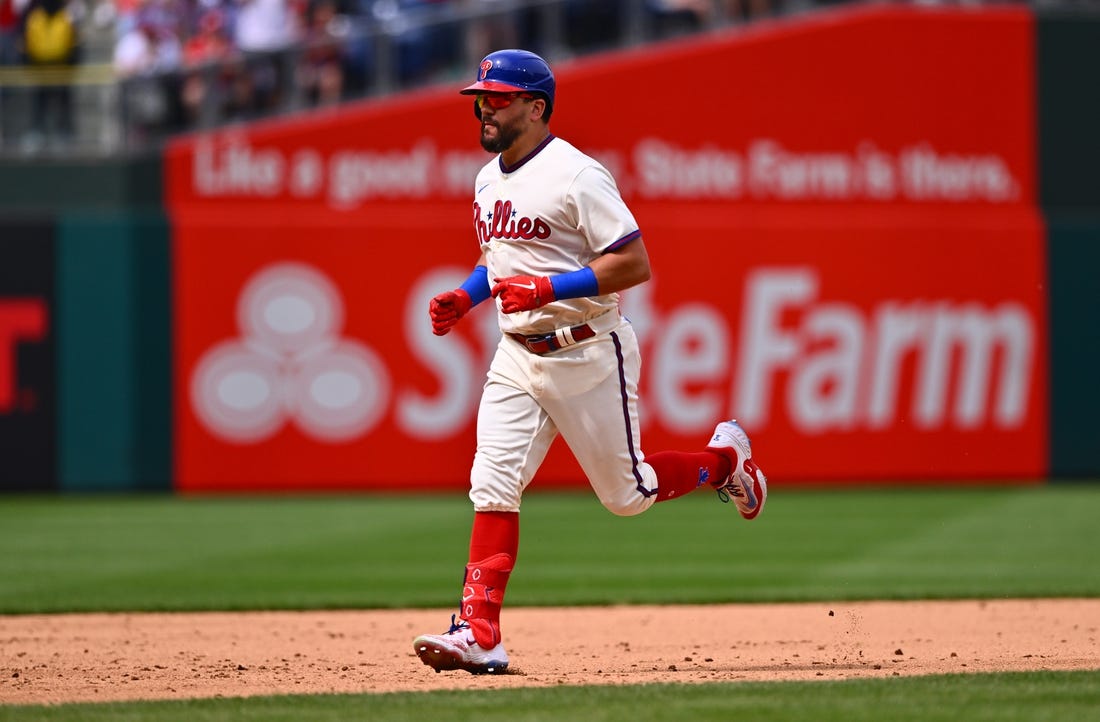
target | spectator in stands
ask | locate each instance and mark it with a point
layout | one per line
(321, 68)
(11, 11)
(426, 46)
(146, 59)
(210, 70)
(359, 47)
(266, 31)
(126, 16)
(51, 46)
(166, 17)
(591, 26)
(753, 9)
(675, 17)
(486, 34)
(147, 50)
(210, 41)
(267, 25)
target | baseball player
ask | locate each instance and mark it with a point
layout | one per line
(557, 245)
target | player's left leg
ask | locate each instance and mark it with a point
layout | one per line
(746, 484)
(596, 412)
(737, 477)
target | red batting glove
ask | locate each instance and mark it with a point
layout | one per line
(523, 293)
(446, 308)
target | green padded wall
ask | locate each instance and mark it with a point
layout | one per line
(113, 370)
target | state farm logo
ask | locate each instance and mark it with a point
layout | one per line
(289, 365)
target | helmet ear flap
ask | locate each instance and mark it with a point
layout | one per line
(477, 109)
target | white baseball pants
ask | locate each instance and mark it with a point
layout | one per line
(588, 393)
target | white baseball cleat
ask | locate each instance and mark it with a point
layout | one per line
(746, 484)
(456, 649)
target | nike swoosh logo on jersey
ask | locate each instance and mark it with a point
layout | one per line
(530, 285)
(483, 187)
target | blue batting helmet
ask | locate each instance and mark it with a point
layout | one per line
(510, 71)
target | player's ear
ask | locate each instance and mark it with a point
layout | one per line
(538, 108)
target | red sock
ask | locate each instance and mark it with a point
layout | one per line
(681, 472)
(494, 532)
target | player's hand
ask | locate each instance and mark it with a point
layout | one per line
(523, 293)
(446, 308)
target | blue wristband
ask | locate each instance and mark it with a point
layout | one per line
(576, 284)
(477, 285)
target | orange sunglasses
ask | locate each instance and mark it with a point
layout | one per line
(499, 101)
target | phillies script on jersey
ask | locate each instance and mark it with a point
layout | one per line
(503, 224)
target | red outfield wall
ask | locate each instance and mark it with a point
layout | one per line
(841, 214)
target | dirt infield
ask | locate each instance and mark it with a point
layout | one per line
(100, 657)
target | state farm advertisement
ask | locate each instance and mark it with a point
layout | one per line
(846, 251)
(880, 106)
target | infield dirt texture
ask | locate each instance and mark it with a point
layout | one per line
(101, 657)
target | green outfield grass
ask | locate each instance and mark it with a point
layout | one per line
(1021, 697)
(166, 553)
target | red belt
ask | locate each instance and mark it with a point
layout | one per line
(541, 343)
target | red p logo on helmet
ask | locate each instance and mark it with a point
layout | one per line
(486, 66)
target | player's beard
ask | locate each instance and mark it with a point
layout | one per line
(505, 137)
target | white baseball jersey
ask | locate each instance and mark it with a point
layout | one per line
(553, 212)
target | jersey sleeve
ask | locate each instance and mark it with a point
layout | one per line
(601, 214)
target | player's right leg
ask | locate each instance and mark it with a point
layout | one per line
(513, 436)
(457, 649)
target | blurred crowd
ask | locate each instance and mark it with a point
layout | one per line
(194, 63)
